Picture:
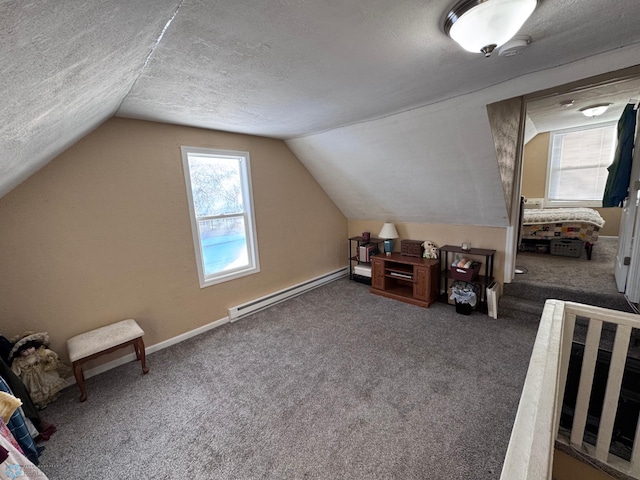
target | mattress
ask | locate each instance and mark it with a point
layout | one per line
(581, 223)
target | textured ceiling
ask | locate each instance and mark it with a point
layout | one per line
(300, 70)
(288, 68)
(65, 67)
(549, 113)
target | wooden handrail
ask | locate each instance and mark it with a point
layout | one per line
(530, 452)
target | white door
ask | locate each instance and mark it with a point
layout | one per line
(623, 258)
(627, 270)
(632, 288)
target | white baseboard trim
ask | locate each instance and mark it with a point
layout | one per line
(277, 297)
(130, 357)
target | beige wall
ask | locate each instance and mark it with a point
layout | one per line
(102, 233)
(534, 166)
(566, 467)
(493, 238)
(534, 180)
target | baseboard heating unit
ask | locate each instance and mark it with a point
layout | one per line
(241, 311)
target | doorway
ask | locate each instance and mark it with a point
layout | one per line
(557, 109)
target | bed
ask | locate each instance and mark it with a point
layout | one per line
(566, 223)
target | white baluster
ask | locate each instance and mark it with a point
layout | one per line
(586, 381)
(612, 394)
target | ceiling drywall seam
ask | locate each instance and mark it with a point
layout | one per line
(152, 51)
(442, 100)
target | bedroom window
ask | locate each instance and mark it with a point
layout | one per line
(221, 209)
(577, 167)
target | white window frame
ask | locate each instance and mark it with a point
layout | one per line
(248, 215)
(548, 202)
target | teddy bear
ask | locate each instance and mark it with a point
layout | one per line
(430, 250)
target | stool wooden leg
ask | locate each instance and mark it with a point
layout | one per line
(139, 346)
(77, 372)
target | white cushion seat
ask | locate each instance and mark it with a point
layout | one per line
(103, 340)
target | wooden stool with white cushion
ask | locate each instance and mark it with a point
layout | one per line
(90, 345)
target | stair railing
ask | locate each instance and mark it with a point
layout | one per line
(535, 431)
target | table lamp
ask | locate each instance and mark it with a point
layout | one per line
(389, 233)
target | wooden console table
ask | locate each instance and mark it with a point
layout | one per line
(408, 279)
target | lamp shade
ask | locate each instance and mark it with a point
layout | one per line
(480, 26)
(388, 231)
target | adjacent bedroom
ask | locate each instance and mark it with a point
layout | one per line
(571, 217)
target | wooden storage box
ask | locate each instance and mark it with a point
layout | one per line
(466, 274)
(411, 248)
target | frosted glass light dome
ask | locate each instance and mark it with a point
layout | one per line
(479, 26)
(595, 110)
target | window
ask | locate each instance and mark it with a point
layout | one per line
(578, 161)
(221, 209)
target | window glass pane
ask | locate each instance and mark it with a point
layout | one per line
(216, 185)
(578, 163)
(224, 244)
(219, 194)
(582, 184)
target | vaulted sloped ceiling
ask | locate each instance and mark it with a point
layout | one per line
(380, 105)
(65, 67)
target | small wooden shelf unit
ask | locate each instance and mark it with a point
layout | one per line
(412, 280)
(354, 258)
(446, 280)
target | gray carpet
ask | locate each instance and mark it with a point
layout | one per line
(336, 383)
(591, 282)
(565, 278)
(589, 275)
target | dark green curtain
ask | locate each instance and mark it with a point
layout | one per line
(617, 187)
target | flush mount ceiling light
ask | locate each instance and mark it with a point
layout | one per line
(479, 26)
(595, 110)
